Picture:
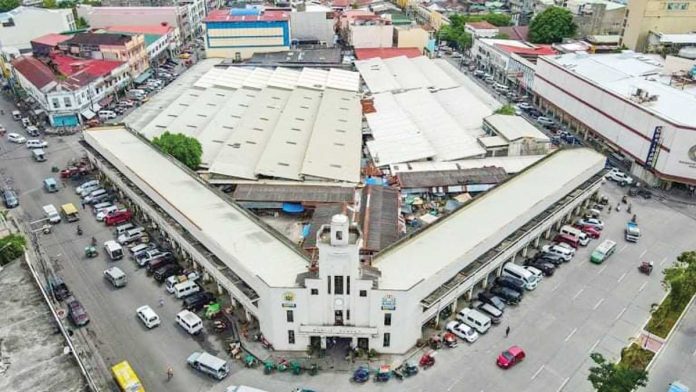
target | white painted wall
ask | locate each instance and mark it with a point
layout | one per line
(30, 23)
(377, 36)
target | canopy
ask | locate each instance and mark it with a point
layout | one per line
(69, 209)
(293, 208)
(88, 114)
(143, 77)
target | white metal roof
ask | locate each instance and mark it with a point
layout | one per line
(377, 75)
(407, 73)
(458, 239)
(493, 141)
(467, 109)
(437, 77)
(442, 131)
(244, 242)
(403, 73)
(515, 127)
(334, 148)
(511, 165)
(283, 155)
(237, 77)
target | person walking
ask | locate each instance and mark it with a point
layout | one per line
(161, 302)
(507, 331)
(170, 373)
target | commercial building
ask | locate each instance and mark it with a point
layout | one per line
(481, 29)
(44, 45)
(161, 41)
(193, 11)
(597, 17)
(313, 24)
(410, 36)
(77, 89)
(109, 46)
(239, 33)
(363, 29)
(630, 104)
(513, 136)
(19, 26)
(644, 16)
(380, 305)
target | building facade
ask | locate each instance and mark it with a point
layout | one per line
(23, 24)
(71, 90)
(481, 29)
(644, 16)
(645, 120)
(313, 24)
(239, 33)
(495, 57)
(412, 37)
(161, 41)
(109, 46)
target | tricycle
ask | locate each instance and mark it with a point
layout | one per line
(91, 251)
(383, 373)
(436, 342)
(407, 369)
(449, 339)
(250, 361)
(296, 368)
(361, 374)
(268, 366)
(283, 365)
(427, 360)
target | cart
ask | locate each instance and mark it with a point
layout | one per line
(295, 368)
(90, 251)
(427, 360)
(383, 374)
(436, 342)
(449, 339)
(268, 366)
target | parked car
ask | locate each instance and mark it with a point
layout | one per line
(195, 302)
(495, 314)
(511, 283)
(545, 121)
(492, 299)
(509, 296)
(16, 138)
(525, 106)
(463, 331)
(556, 260)
(166, 271)
(536, 272)
(103, 212)
(558, 250)
(118, 217)
(37, 143)
(620, 177)
(10, 198)
(510, 357)
(546, 267)
(148, 316)
(594, 222)
(78, 314)
(591, 231)
(534, 113)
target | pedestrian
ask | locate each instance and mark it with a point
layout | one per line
(507, 331)
(161, 302)
(82, 203)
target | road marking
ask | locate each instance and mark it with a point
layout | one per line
(643, 254)
(642, 286)
(622, 248)
(620, 314)
(578, 293)
(621, 277)
(563, 385)
(603, 268)
(663, 261)
(537, 372)
(570, 335)
(598, 303)
(594, 346)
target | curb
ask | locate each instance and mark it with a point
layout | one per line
(669, 335)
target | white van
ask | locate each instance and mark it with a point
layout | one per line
(116, 276)
(500, 87)
(560, 251)
(51, 213)
(184, 289)
(113, 249)
(148, 316)
(107, 114)
(35, 143)
(122, 229)
(189, 322)
(475, 319)
(131, 235)
(209, 364)
(582, 238)
(173, 280)
(93, 195)
(519, 272)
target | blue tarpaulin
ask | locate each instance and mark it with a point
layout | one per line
(293, 208)
(374, 181)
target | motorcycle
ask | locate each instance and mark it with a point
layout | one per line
(79, 230)
(646, 267)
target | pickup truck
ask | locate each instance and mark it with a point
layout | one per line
(632, 232)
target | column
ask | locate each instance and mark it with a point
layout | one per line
(524, 250)
(536, 242)
(322, 340)
(469, 294)
(484, 282)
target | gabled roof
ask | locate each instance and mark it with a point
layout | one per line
(98, 39)
(157, 29)
(51, 39)
(515, 32)
(483, 25)
(34, 71)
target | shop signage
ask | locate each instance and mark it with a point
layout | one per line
(692, 158)
(389, 302)
(288, 300)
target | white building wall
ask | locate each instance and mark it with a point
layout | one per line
(621, 122)
(100, 17)
(30, 23)
(313, 25)
(377, 36)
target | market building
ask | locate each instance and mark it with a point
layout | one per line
(378, 303)
(631, 105)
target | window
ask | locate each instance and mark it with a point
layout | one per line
(56, 103)
(677, 6)
(347, 314)
(329, 282)
(348, 285)
(363, 293)
(387, 318)
(387, 338)
(314, 291)
(291, 337)
(290, 316)
(338, 284)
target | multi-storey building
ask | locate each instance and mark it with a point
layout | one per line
(645, 16)
(161, 41)
(109, 46)
(70, 89)
(19, 26)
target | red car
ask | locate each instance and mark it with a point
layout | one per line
(591, 231)
(562, 238)
(510, 357)
(117, 217)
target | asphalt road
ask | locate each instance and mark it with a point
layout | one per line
(677, 360)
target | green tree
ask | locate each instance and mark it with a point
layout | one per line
(552, 25)
(610, 377)
(8, 5)
(498, 19)
(506, 109)
(185, 149)
(49, 4)
(11, 247)
(81, 23)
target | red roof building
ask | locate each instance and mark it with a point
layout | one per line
(385, 53)
(34, 71)
(537, 50)
(51, 39)
(157, 29)
(483, 25)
